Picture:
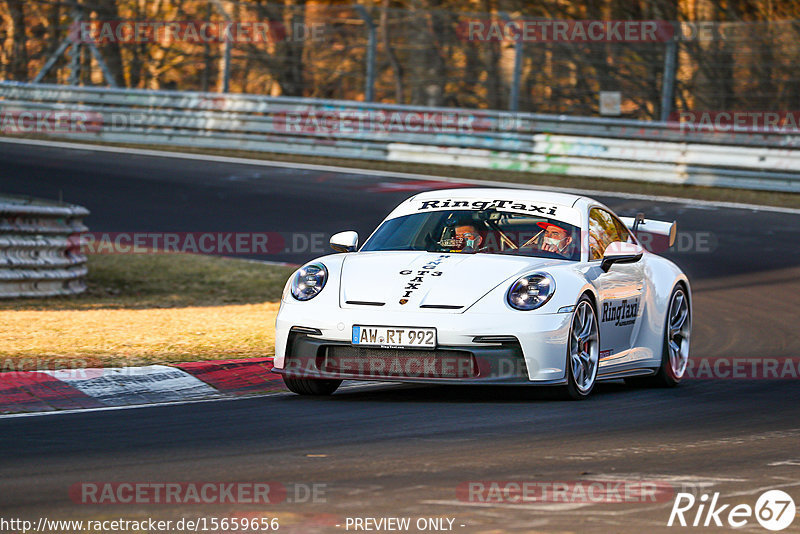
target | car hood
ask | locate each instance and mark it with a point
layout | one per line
(427, 281)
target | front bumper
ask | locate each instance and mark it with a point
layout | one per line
(538, 355)
(312, 357)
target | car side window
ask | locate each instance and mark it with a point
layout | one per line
(602, 232)
(625, 235)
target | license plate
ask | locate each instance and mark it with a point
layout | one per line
(394, 337)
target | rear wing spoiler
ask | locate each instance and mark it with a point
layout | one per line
(639, 225)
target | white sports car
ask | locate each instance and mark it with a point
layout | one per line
(489, 286)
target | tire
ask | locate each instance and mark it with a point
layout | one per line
(583, 351)
(675, 344)
(311, 386)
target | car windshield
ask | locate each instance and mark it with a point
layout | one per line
(470, 232)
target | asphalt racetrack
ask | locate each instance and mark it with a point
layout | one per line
(404, 451)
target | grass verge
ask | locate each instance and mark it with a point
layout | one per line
(145, 309)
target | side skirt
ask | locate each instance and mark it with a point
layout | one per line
(630, 372)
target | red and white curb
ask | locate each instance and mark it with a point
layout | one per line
(77, 389)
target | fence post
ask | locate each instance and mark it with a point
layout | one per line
(74, 64)
(513, 99)
(668, 81)
(226, 49)
(226, 66)
(369, 89)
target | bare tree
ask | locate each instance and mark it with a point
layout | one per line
(108, 10)
(18, 69)
(397, 68)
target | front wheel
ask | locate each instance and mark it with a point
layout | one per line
(311, 386)
(675, 349)
(583, 351)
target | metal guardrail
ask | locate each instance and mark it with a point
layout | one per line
(576, 146)
(39, 255)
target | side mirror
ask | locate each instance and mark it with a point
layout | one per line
(619, 252)
(344, 241)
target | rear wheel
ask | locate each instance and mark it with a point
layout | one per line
(583, 351)
(311, 386)
(675, 349)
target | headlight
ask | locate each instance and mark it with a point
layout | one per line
(309, 281)
(531, 291)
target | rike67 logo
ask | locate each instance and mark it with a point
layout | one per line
(774, 510)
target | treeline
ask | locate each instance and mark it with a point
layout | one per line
(745, 59)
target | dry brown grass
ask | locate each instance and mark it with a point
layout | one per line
(143, 309)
